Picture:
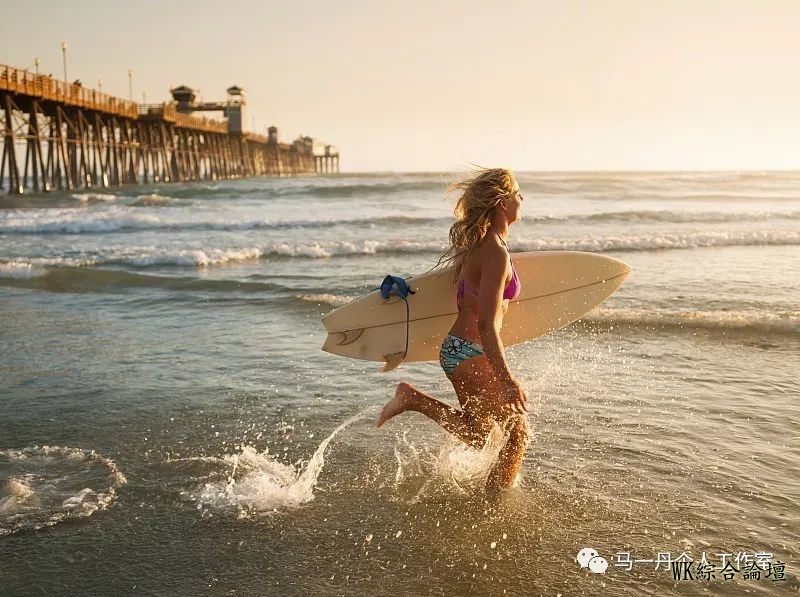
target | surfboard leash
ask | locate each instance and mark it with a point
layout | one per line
(387, 287)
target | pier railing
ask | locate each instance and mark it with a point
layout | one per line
(204, 124)
(168, 112)
(46, 87)
(163, 111)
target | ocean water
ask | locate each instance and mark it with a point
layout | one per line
(170, 426)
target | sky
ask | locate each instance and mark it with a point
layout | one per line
(438, 85)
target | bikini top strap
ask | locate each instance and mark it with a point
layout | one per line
(509, 252)
(502, 241)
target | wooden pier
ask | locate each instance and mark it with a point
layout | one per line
(65, 136)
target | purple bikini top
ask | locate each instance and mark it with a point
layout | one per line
(511, 291)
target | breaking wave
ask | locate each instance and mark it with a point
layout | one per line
(765, 323)
(71, 222)
(686, 216)
(127, 219)
(21, 270)
(30, 268)
(660, 241)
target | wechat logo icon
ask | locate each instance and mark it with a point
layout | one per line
(589, 558)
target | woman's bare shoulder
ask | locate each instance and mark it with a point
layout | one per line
(488, 253)
(491, 249)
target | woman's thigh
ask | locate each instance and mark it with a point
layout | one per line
(478, 390)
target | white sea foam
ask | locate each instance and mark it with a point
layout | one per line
(327, 249)
(666, 215)
(41, 486)
(32, 267)
(258, 482)
(132, 256)
(651, 242)
(132, 218)
(93, 197)
(143, 257)
(597, 243)
(191, 257)
(147, 256)
(23, 270)
(766, 322)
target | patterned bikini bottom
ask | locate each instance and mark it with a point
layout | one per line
(456, 350)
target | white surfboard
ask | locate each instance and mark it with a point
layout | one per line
(558, 287)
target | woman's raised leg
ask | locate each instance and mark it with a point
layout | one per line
(457, 422)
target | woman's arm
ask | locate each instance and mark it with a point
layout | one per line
(495, 268)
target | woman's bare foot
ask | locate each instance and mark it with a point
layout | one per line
(403, 398)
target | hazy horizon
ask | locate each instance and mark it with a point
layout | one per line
(601, 86)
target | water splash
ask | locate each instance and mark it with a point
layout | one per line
(468, 468)
(259, 483)
(454, 465)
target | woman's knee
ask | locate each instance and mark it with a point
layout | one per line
(516, 427)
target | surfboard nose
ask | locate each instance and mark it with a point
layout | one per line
(625, 266)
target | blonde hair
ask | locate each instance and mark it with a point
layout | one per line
(482, 193)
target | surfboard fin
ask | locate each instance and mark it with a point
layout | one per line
(392, 361)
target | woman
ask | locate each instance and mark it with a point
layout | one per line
(472, 354)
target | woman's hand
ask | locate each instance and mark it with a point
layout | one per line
(514, 396)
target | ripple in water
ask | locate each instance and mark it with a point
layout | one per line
(42, 486)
